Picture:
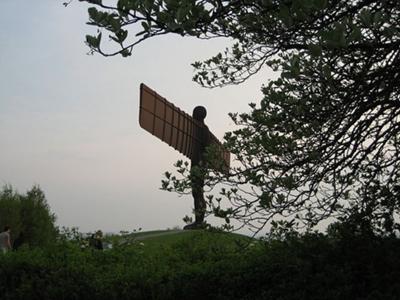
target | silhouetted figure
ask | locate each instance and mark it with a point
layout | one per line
(202, 137)
(5, 242)
(98, 240)
(92, 241)
(19, 241)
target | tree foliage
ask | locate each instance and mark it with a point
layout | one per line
(323, 142)
(29, 217)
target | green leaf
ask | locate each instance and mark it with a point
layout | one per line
(93, 41)
(266, 200)
(315, 50)
(295, 65)
(182, 13)
(326, 71)
(115, 24)
(145, 26)
(366, 17)
(126, 53)
(320, 4)
(93, 13)
(355, 34)
(284, 14)
(148, 4)
(122, 35)
(335, 37)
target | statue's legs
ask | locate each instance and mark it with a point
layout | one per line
(199, 202)
(197, 181)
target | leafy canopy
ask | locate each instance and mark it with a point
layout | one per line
(29, 216)
(323, 142)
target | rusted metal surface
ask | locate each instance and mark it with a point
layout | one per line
(175, 127)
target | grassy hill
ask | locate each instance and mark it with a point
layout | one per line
(174, 235)
(154, 240)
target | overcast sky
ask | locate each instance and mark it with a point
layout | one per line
(69, 121)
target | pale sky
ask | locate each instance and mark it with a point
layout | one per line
(69, 121)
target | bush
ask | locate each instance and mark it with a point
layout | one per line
(208, 266)
(29, 216)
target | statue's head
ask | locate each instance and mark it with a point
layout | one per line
(199, 113)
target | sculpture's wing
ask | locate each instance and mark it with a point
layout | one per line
(223, 154)
(175, 127)
(166, 121)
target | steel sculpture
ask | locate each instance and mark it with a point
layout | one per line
(187, 134)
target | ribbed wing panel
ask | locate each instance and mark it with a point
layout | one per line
(172, 125)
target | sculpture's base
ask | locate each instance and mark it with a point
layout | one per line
(195, 226)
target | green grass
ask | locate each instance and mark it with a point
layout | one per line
(170, 238)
